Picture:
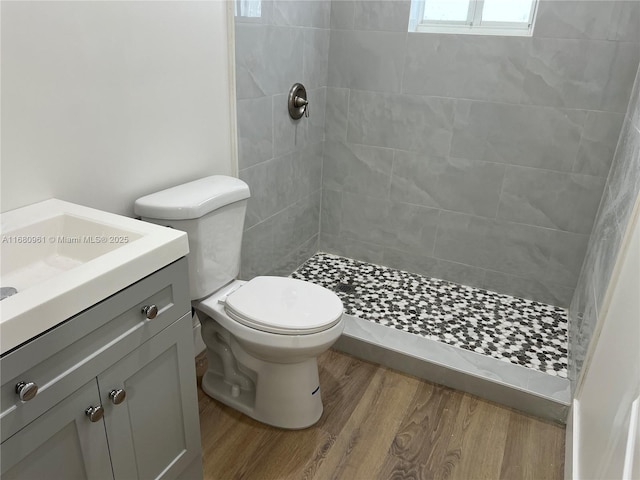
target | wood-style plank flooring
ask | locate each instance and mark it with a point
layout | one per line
(381, 424)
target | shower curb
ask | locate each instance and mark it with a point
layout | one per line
(524, 389)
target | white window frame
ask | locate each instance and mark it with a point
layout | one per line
(474, 25)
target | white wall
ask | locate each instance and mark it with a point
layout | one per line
(103, 102)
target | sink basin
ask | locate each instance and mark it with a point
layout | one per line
(62, 258)
(44, 249)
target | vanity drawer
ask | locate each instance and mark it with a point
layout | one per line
(67, 356)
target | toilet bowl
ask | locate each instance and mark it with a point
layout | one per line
(272, 376)
(263, 336)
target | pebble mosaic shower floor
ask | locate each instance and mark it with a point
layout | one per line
(510, 329)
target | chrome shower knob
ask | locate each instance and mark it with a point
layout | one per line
(298, 102)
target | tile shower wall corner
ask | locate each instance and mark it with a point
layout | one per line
(281, 158)
(621, 191)
(499, 146)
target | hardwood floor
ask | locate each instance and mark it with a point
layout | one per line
(381, 424)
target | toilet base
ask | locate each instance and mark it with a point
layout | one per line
(271, 378)
(282, 395)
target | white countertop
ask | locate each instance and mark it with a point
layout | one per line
(64, 258)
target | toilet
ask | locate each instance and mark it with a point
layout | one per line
(263, 336)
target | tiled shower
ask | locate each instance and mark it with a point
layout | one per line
(479, 160)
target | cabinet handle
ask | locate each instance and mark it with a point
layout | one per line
(150, 311)
(94, 413)
(117, 396)
(26, 390)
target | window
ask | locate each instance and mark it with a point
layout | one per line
(490, 17)
(248, 8)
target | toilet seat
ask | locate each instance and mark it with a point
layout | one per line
(284, 306)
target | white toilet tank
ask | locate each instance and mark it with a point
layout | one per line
(211, 210)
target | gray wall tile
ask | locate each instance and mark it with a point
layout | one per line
(493, 244)
(605, 243)
(287, 231)
(366, 60)
(258, 250)
(623, 71)
(300, 13)
(391, 15)
(307, 170)
(304, 215)
(532, 136)
(465, 66)
(285, 266)
(587, 19)
(410, 262)
(406, 122)
(273, 188)
(625, 21)
(583, 317)
(621, 193)
(357, 168)
(634, 105)
(349, 247)
(467, 186)
(598, 143)
(294, 226)
(589, 74)
(288, 13)
(342, 15)
(624, 179)
(411, 228)
(331, 215)
(317, 111)
(288, 134)
(255, 131)
(433, 267)
(335, 126)
(315, 59)
(564, 201)
(268, 58)
(566, 258)
(267, 247)
(527, 288)
(261, 204)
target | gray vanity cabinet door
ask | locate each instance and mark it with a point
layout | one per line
(61, 443)
(154, 432)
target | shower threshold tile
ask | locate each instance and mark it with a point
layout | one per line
(522, 388)
(510, 329)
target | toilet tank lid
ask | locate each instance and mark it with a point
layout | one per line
(192, 200)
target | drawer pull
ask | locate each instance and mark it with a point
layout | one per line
(117, 396)
(26, 390)
(94, 413)
(150, 311)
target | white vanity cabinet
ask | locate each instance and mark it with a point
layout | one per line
(136, 373)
